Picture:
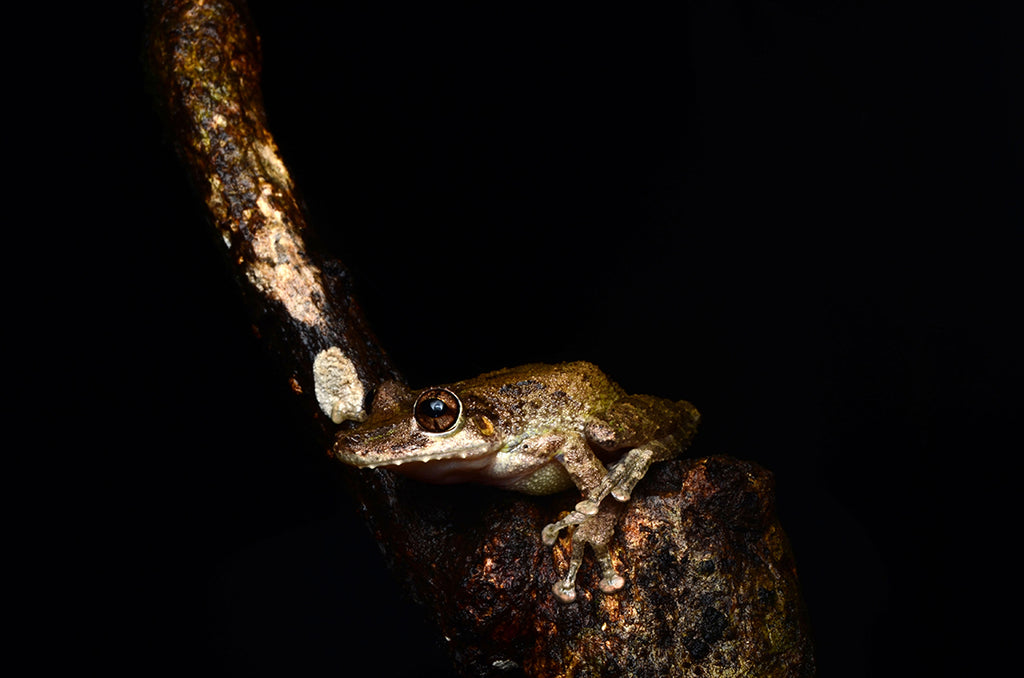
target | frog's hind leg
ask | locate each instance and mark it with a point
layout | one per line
(565, 588)
(611, 580)
(596, 530)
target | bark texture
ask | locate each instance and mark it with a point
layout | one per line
(204, 60)
(711, 584)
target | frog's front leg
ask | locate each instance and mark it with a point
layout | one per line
(595, 527)
(649, 429)
(627, 472)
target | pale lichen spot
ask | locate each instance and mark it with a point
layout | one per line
(339, 392)
(266, 209)
(297, 288)
(273, 164)
(281, 269)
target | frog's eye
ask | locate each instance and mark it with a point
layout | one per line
(437, 410)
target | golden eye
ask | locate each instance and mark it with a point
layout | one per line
(437, 410)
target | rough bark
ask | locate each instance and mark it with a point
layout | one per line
(204, 61)
(711, 584)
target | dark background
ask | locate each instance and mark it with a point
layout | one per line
(803, 217)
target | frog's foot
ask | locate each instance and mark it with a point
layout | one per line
(596, 530)
(628, 472)
(611, 581)
(565, 588)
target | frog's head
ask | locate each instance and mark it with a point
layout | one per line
(433, 435)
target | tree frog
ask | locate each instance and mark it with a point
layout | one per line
(537, 429)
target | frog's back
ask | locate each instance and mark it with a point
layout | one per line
(540, 390)
(576, 378)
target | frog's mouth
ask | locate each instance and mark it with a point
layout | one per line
(403, 447)
(468, 456)
(442, 467)
(465, 467)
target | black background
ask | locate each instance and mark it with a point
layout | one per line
(803, 217)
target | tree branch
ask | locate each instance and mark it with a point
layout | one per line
(711, 584)
(204, 59)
